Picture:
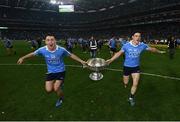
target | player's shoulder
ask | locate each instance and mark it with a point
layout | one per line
(61, 48)
(42, 48)
(143, 43)
(127, 44)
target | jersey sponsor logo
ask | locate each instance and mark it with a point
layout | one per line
(134, 53)
(53, 56)
(47, 56)
(52, 59)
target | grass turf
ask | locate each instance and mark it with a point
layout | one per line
(23, 96)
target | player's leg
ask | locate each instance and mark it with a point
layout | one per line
(58, 87)
(49, 86)
(135, 77)
(59, 91)
(125, 80)
(126, 73)
(49, 83)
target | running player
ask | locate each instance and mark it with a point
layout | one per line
(9, 46)
(53, 55)
(132, 51)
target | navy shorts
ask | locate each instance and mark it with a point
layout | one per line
(10, 47)
(113, 50)
(129, 70)
(55, 76)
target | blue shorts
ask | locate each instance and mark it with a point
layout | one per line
(129, 70)
(55, 76)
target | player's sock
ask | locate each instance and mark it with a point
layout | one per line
(61, 98)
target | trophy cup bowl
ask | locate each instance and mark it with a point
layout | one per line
(96, 65)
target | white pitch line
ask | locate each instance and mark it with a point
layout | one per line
(149, 74)
(110, 69)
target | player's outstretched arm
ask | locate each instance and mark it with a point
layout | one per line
(155, 50)
(117, 55)
(21, 60)
(76, 58)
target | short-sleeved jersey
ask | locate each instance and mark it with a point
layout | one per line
(132, 53)
(54, 59)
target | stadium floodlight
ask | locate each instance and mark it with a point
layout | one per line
(53, 1)
(66, 8)
(3, 28)
(56, 2)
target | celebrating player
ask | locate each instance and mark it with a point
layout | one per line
(132, 51)
(53, 55)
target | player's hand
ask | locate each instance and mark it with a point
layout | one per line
(162, 52)
(108, 61)
(84, 64)
(20, 61)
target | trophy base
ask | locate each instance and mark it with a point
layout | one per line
(96, 76)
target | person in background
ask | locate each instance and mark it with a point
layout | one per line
(112, 46)
(93, 47)
(172, 44)
(69, 44)
(39, 42)
(9, 46)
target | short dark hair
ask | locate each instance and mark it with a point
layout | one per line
(49, 34)
(136, 33)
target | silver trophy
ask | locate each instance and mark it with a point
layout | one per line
(96, 65)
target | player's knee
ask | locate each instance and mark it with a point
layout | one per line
(135, 85)
(125, 81)
(57, 88)
(49, 90)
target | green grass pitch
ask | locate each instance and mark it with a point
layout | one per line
(23, 97)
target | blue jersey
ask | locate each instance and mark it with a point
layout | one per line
(132, 53)
(54, 59)
(112, 43)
